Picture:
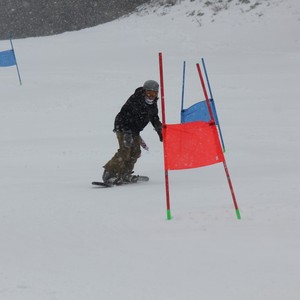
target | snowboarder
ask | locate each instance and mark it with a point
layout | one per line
(136, 113)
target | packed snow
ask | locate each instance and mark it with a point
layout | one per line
(62, 238)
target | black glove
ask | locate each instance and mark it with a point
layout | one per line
(128, 139)
(158, 129)
(159, 132)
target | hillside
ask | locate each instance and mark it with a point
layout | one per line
(42, 17)
(32, 18)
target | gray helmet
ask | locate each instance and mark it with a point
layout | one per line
(151, 85)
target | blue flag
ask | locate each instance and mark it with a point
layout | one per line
(7, 58)
(198, 112)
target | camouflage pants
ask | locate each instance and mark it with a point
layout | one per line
(122, 163)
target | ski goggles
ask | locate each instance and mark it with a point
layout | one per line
(151, 94)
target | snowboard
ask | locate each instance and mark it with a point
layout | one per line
(108, 185)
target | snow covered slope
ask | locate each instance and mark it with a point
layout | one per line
(63, 239)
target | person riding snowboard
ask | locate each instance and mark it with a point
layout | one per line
(140, 109)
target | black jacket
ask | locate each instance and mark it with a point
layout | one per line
(136, 114)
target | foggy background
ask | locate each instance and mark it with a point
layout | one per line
(31, 18)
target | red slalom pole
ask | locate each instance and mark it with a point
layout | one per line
(237, 211)
(224, 161)
(162, 93)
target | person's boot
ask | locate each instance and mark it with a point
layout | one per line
(109, 177)
(131, 178)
